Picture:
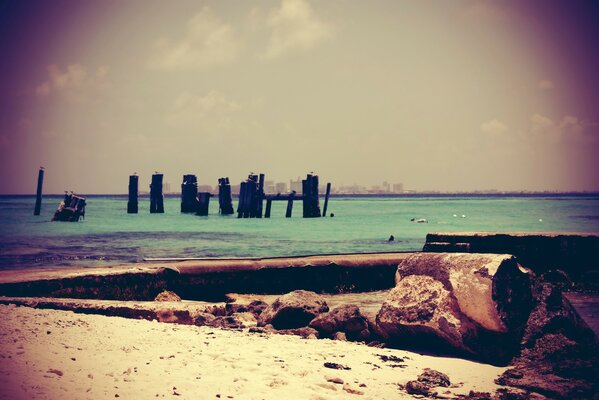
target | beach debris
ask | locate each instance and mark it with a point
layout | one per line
(71, 209)
(391, 358)
(426, 381)
(391, 238)
(419, 220)
(305, 332)
(55, 372)
(235, 321)
(132, 205)
(434, 378)
(293, 310)
(167, 295)
(38, 196)
(474, 304)
(333, 365)
(255, 307)
(417, 387)
(345, 319)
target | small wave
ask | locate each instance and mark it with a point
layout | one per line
(589, 217)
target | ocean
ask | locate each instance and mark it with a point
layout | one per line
(110, 236)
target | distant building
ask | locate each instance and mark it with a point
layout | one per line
(166, 187)
(280, 187)
(269, 187)
(235, 189)
(398, 188)
(205, 188)
(296, 185)
(386, 187)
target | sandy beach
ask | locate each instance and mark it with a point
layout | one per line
(62, 355)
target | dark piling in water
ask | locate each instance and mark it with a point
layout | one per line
(203, 203)
(225, 201)
(290, 204)
(38, 198)
(311, 204)
(156, 197)
(326, 199)
(132, 205)
(189, 194)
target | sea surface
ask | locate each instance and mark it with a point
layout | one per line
(109, 235)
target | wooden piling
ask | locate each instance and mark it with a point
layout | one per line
(290, 204)
(38, 198)
(203, 203)
(156, 197)
(251, 202)
(326, 199)
(189, 194)
(268, 207)
(241, 200)
(311, 205)
(132, 205)
(225, 201)
(260, 196)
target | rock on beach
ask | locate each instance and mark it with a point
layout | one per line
(473, 304)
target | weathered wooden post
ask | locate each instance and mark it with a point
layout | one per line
(290, 204)
(250, 195)
(326, 199)
(260, 196)
(268, 207)
(133, 192)
(156, 197)
(203, 203)
(38, 198)
(189, 194)
(241, 200)
(225, 201)
(310, 196)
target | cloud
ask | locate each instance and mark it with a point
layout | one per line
(74, 82)
(540, 122)
(493, 128)
(211, 112)
(294, 27)
(208, 42)
(545, 84)
(569, 129)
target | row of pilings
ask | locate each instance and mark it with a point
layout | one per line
(251, 197)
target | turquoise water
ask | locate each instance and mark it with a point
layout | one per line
(109, 235)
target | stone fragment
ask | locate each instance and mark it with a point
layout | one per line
(293, 310)
(167, 295)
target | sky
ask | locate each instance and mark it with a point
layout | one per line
(439, 95)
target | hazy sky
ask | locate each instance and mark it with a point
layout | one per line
(445, 95)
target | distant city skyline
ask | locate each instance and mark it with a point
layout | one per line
(466, 95)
